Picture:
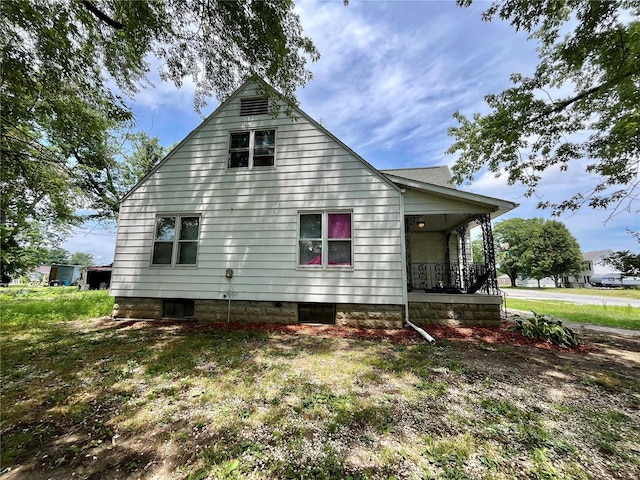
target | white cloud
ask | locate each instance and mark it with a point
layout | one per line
(390, 76)
(594, 229)
(161, 94)
(396, 72)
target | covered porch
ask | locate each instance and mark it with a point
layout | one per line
(439, 257)
(444, 285)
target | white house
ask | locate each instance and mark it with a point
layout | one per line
(592, 264)
(256, 217)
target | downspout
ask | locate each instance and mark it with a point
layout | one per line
(422, 333)
(405, 294)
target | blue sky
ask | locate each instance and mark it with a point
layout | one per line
(390, 76)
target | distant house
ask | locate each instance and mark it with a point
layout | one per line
(39, 274)
(255, 217)
(591, 265)
(64, 275)
(546, 282)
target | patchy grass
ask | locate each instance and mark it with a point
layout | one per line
(606, 315)
(100, 398)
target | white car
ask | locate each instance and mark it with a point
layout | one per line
(614, 280)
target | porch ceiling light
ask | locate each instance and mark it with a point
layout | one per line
(420, 223)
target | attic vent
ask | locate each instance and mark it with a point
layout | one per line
(254, 106)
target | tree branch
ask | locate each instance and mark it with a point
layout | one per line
(559, 106)
(102, 16)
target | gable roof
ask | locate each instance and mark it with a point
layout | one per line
(298, 111)
(438, 175)
(593, 255)
(434, 180)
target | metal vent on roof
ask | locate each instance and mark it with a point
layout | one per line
(254, 106)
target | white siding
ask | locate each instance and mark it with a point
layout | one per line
(430, 247)
(421, 203)
(249, 219)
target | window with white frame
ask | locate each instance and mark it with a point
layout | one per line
(176, 240)
(253, 148)
(325, 239)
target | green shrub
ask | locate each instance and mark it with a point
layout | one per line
(546, 328)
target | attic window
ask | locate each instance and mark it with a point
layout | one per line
(254, 106)
(252, 149)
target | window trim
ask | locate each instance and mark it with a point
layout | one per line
(324, 265)
(176, 240)
(251, 149)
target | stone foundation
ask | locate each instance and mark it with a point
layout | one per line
(369, 316)
(244, 311)
(449, 310)
(469, 310)
(137, 307)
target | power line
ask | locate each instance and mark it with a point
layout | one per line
(91, 232)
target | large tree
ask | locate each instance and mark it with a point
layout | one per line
(515, 239)
(81, 258)
(556, 253)
(68, 67)
(131, 156)
(579, 109)
(536, 248)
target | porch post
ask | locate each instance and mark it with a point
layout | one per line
(408, 221)
(462, 238)
(447, 259)
(489, 253)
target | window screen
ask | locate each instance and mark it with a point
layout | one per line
(310, 242)
(164, 239)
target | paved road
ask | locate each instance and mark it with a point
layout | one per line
(567, 297)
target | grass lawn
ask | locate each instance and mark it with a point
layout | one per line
(607, 315)
(108, 399)
(31, 306)
(600, 292)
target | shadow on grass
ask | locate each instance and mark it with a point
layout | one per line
(128, 400)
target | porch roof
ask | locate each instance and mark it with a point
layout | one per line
(437, 175)
(494, 206)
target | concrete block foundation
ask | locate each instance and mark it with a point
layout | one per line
(424, 310)
(457, 310)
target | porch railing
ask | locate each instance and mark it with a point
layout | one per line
(452, 278)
